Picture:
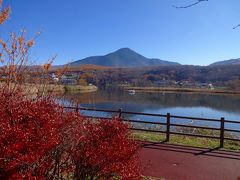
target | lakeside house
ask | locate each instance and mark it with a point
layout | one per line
(70, 79)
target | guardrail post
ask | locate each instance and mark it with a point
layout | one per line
(77, 108)
(168, 127)
(222, 133)
(120, 113)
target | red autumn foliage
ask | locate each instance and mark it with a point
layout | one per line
(29, 132)
(105, 150)
(39, 140)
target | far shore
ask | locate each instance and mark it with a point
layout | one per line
(56, 88)
(173, 89)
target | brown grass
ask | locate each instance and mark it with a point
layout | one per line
(172, 89)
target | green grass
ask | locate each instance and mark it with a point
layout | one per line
(186, 140)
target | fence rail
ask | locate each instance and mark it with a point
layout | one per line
(222, 122)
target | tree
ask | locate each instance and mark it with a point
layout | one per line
(29, 126)
(82, 82)
(39, 139)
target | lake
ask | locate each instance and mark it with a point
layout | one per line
(181, 104)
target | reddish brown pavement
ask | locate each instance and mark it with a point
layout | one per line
(174, 162)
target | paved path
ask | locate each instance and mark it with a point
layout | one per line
(174, 162)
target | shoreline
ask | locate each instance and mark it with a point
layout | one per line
(79, 88)
(56, 88)
(186, 90)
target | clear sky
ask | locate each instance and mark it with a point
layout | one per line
(76, 29)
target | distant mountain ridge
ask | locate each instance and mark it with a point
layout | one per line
(226, 62)
(123, 57)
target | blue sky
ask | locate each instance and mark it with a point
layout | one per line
(76, 29)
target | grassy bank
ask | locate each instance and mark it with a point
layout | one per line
(185, 140)
(79, 88)
(45, 88)
(173, 89)
(67, 88)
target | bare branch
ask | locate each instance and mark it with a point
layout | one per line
(190, 5)
(235, 27)
(193, 4)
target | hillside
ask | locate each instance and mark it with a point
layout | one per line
(188, 75)
(226, 62)
(86, 67)
(124, 57)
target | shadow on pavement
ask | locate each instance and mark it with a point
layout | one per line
(214, 152)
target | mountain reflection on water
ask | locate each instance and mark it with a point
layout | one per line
(182, 104)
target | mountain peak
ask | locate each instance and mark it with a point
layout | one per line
(125, 50)
(227, 62)
(124, 57)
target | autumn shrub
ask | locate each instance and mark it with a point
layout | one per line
(29, 132)
(39, 139)
(104, 150)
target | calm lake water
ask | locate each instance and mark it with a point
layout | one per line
(181, 104)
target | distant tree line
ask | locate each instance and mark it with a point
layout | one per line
(227, 76)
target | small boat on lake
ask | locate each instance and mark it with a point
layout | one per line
(131, 91)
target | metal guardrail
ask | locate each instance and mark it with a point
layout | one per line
(168, 123)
